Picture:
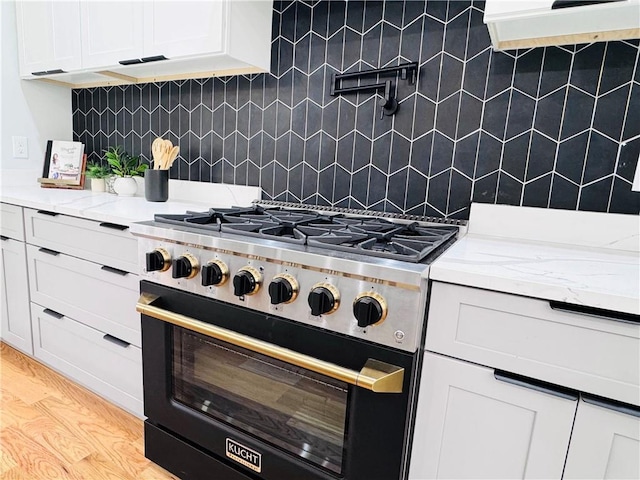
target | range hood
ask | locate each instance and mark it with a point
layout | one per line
(516, 24)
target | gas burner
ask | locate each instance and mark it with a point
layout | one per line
(362, 234)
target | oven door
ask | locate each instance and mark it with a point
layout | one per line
(269, 397)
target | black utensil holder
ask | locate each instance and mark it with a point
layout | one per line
(156, 185)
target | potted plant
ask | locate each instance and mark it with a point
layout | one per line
(97, 173)
(124, 167)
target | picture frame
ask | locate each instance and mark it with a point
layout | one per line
(64, 165)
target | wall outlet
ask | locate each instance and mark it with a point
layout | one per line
(20, 147)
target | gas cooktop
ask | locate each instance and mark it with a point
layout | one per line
(409, 241)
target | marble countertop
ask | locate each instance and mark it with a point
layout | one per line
(561, 263)
(105, 207)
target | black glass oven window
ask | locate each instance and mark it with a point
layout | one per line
(297, 410)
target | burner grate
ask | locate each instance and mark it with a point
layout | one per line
(364, 235)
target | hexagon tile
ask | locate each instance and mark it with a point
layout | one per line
(555, 127)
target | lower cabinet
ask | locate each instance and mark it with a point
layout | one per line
(605, 441)
(14, 290)
(83, 289)
(105, 364)
(475, 423)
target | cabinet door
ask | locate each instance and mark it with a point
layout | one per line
(112, 32)
(14, 288)
(605, 442)
(469, 424)
(48, 36)
(177, 29)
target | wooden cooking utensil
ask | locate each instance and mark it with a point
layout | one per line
(170, 158)
(157, 149)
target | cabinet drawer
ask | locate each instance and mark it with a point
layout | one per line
(11, 225)
(85, 291)
(15, 321)
(523, 335)
(110, 368)
(99, 242)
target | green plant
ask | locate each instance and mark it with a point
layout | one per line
(122, 164)
(96, 170)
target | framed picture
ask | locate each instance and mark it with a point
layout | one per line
(64, 164)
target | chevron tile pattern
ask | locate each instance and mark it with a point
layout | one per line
(555, 127)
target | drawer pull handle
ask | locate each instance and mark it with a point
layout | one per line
(3, 238)
(48, 252)
(117, 271)
(131, 61)
(53, 313)
(537, 385)
(116, 341)
(155, 58)
(614, 405)
(595, 312)
(46, 212)
(114, 226)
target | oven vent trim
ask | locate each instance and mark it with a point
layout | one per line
(364, 213)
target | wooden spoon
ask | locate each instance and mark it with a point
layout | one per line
(170, 158)
(157, 149)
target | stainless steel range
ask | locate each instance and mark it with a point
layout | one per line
(282, 341)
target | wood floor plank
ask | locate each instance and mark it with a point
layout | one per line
(15, 412)
(62, 387)
(24, 385)
(51, 428)
(104, 437)
(97, 467)
(32, 458)
(56, 438)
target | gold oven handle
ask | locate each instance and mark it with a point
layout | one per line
(376, 376)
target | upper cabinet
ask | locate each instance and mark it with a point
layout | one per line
(144, 41)
(49, 36)
(537, 23)
(111, 32)
(204, 33)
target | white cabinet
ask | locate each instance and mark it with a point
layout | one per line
(14, 289)
(101, 362)
(186, 28)
(605, 442)
(111, 32)
(49, 36)
(101, 296)
(105, 42)
(471, 424)
(84, 286)
(15, 323)
(537, 339)
(536, 23)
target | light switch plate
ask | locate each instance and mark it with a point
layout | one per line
(636, 178)
(20, 147)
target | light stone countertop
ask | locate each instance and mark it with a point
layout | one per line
(105, 207)
(581, 258)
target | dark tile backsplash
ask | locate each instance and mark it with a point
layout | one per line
(554, 127)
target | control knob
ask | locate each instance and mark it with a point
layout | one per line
(247, 281)
(214, 272)
(323, 298)
(369, 308)
(283, 289)
(185, 266)
(158, 260)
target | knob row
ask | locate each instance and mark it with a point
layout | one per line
(369, 308)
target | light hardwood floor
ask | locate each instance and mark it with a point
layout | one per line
(51, 428)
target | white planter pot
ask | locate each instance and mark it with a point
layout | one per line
(97, 185)
(125, 186)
